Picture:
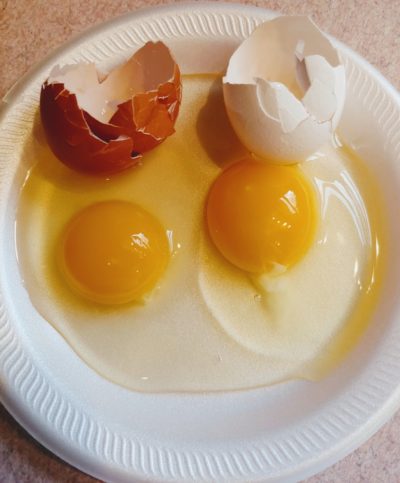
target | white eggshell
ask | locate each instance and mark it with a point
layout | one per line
(284, 90)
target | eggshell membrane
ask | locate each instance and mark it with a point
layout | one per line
(104, 126)
(284, 90)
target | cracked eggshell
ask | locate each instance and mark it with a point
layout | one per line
(284, 90)
(104, 126)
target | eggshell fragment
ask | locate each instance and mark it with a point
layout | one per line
(104, 126)
(284, 90)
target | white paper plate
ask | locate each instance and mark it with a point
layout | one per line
(279, 433)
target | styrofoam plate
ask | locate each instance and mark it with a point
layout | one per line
(279, 433)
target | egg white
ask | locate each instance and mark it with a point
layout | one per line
(207, 325)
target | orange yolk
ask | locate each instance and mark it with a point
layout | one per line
(113, 252)
(261, 216)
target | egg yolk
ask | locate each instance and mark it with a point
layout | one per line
(113, 252)
(261, 216)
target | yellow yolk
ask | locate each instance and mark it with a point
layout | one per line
(113, 252)
(261, 216)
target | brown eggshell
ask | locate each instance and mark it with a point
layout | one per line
(73, 142)
(83, 141)
(149, 118)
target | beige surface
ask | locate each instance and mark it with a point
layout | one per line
(30, 29)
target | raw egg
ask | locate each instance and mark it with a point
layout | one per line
(113, 252)
(261, 216)
(206, 324)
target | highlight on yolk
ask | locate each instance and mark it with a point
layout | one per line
(261, 215)
(113, 252)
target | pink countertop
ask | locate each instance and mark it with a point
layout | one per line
(29, 29)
